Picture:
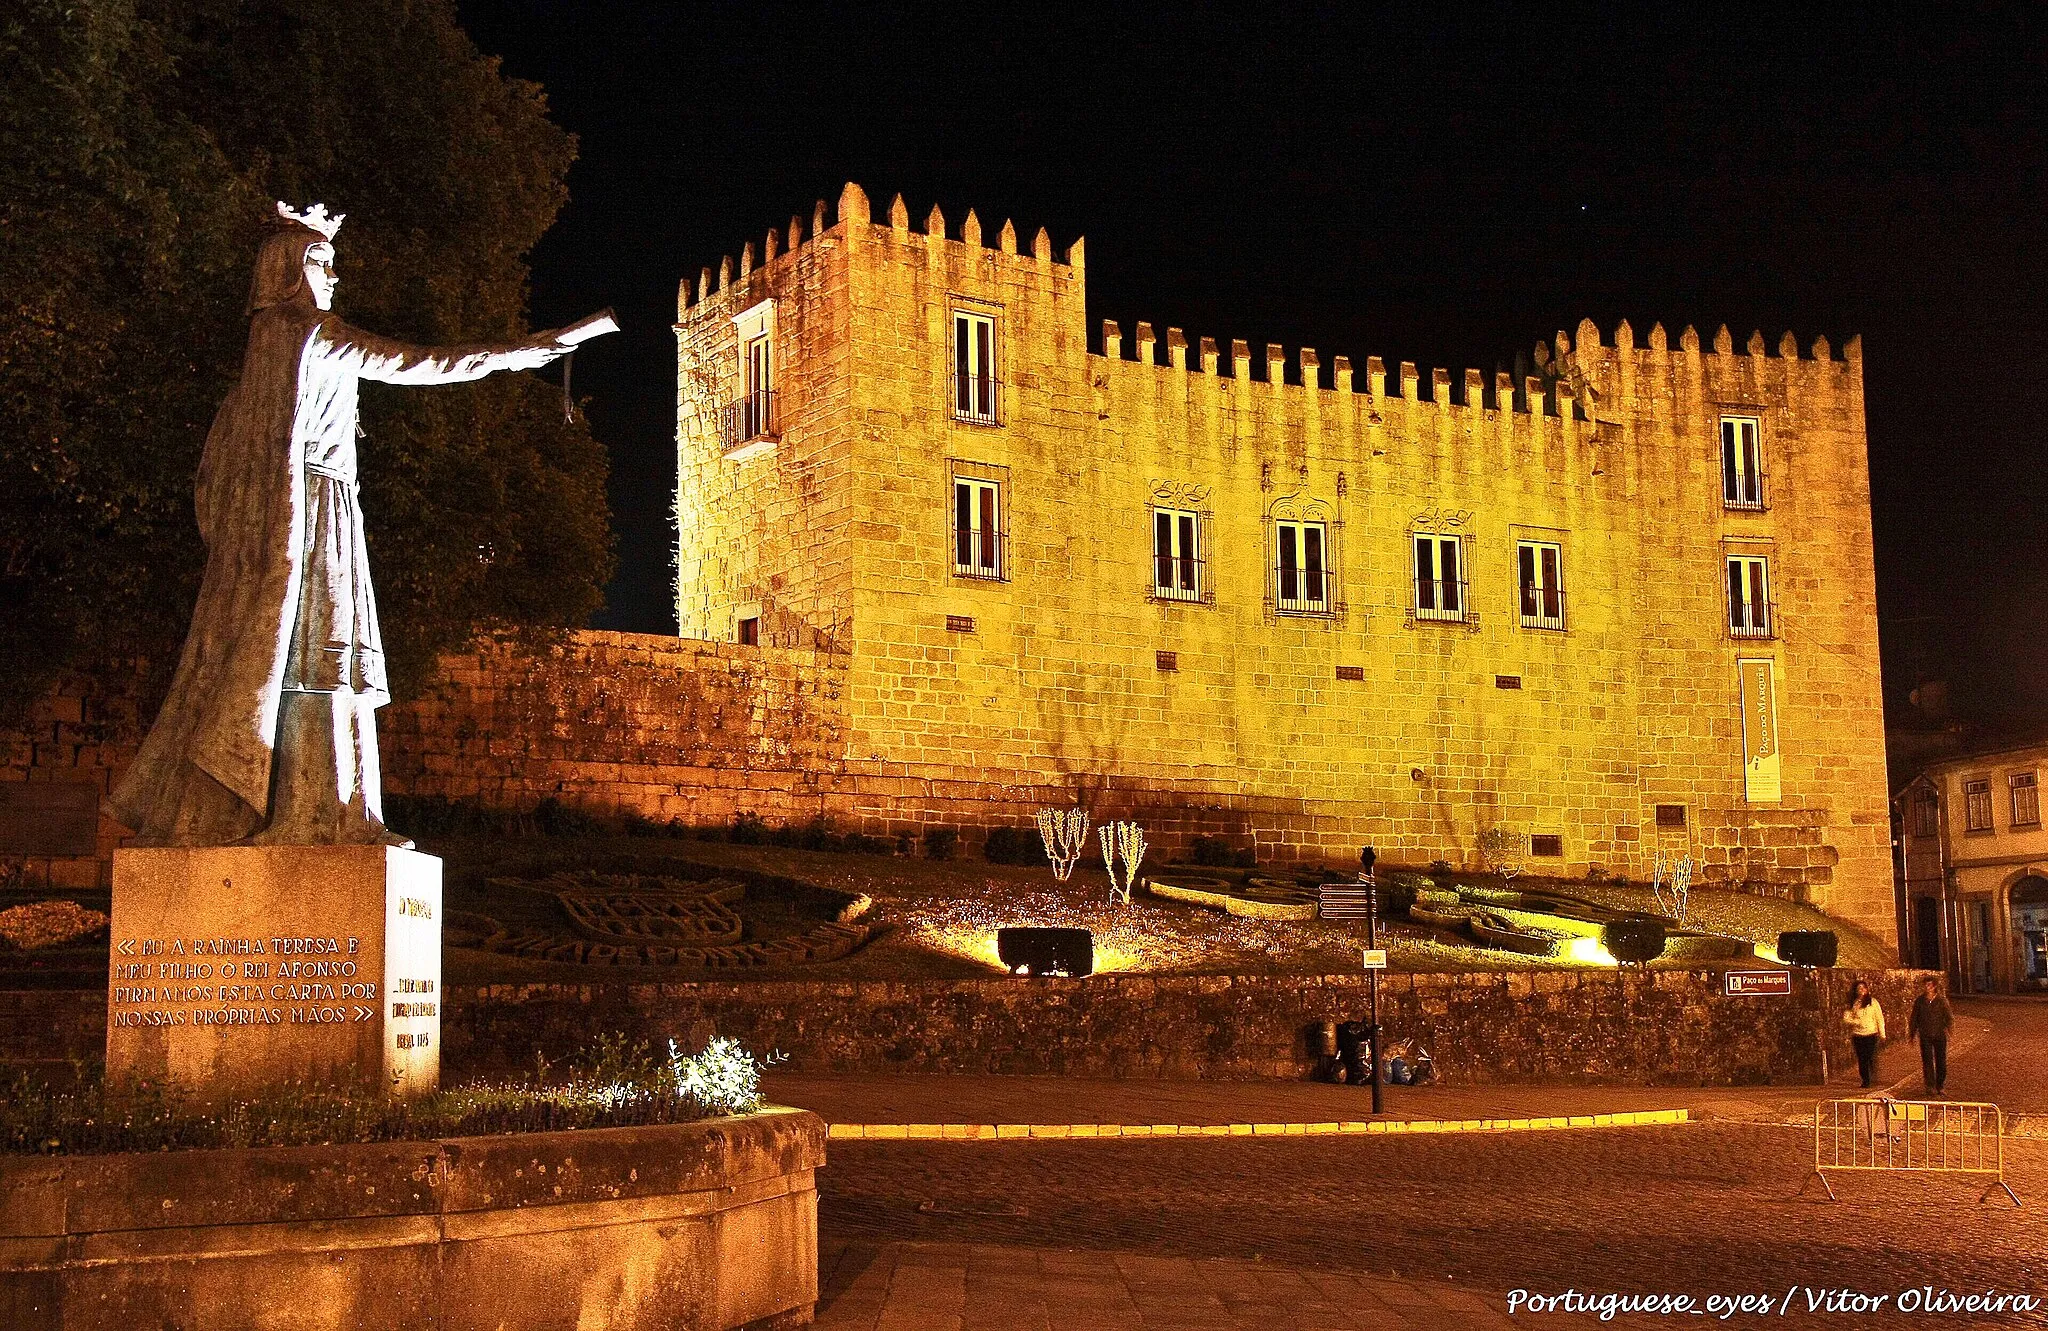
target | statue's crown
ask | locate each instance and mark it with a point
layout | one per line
(314, 218)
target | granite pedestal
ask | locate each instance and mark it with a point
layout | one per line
(239, 967)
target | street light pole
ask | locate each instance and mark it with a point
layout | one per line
(1372, 940)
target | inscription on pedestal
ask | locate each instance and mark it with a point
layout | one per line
(343, 983)
(250, 982)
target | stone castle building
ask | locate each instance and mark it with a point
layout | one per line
(1622, 608)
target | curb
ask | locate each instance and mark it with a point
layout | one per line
(986, 1132)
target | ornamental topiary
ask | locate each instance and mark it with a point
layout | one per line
(1636, 939)
(1807, 947)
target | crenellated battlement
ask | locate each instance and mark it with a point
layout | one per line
(1579, 372)
(854, 219)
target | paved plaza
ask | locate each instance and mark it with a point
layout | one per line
(1404, 1231)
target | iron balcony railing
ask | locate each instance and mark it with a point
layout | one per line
(981, 552)
(751, 418)
(1179, 578)
(1302, 591)
(1747, 491)
(1753, 619)
(977, 399)
(1543, 608)
(1442, 599)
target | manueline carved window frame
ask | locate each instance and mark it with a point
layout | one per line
(1299, 506)
(1169, 496)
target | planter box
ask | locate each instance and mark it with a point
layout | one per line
(696, 1225)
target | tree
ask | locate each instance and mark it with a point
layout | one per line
(142, 142)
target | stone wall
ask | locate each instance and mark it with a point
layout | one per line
(704, 1226)
(79, 738)
(666, 728)
(1668, 1026)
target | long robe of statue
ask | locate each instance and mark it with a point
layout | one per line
(268, 734)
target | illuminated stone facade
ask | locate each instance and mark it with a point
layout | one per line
(1305, 692)
(1973, 891)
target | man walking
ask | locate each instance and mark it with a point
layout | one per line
(1931, 1021)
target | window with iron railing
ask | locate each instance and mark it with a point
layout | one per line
(1177, 573)
(749, 420)
(752, 417)
(1440, 578)
(978, 536)
(1749, 597)
(1540, 570)
(975, 388)
(1301, 567)
(1742, 463)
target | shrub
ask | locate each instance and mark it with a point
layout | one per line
(1633, 938)
(1248, 858)
(1398, 892)
(1807, 947)
(747, 830)
(551, 817)
(1441, 874)
(1596, 874)
(1014, 845)
(433, 815)
(1211, 851)
(48, 924)
(613, 1083)
(860, 843)
(940, 843)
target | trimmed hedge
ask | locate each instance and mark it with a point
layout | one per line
(1634, 939)
(1808, 947)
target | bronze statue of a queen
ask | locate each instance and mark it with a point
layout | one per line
(268, 734)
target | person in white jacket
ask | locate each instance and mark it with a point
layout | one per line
(1865, 1019)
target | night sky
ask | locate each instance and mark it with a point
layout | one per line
(1438, 189)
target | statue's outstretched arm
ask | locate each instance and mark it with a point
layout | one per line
(390, 361)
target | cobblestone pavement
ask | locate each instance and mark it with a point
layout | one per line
(1703, 1209)
(1412, 1231)
(2006, 1064)
(980, 1287)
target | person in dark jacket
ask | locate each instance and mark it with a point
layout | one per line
(1932, 1019)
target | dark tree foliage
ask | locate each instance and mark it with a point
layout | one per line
(140, 145)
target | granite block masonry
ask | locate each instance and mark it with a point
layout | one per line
(237, 967)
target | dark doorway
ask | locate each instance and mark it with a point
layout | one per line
(1927, 933)
(2030, 932)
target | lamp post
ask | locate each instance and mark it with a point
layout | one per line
(1372, 943)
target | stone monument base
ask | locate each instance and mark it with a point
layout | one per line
(239, 967)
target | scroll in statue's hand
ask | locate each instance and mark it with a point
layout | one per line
(597, 325)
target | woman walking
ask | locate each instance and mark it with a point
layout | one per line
(1865, 1019)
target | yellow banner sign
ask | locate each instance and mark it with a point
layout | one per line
(1760, 775)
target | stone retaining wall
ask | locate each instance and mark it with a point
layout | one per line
(1671, 1027)
(707, 1225)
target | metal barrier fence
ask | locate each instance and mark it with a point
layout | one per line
(1879, 1134)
